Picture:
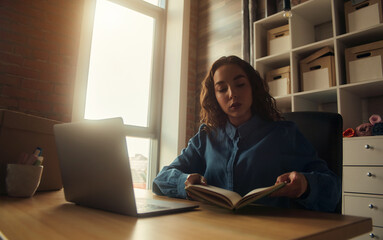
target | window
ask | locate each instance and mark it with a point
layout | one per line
(119, 74)
(155, 2)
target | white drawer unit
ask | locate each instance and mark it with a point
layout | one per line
(363, 151)
(377, 233)
(365, 206)
(363, 181)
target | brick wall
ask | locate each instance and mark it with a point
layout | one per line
(192, 117)
(215, 31)
(38, 55)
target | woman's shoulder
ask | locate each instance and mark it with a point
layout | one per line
(203, 129)
(202, 133)
(203, 136)
(208, 133)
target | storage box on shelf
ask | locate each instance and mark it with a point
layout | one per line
(278, 40)
(318, 70)
(362, 15)
(363, 180)
(364, 62)
(279, 81)
(260, 33)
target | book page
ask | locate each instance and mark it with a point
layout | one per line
(258, 194)
(214, 192)
(212, 198)
(256, 191)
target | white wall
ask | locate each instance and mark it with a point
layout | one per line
(173, 122)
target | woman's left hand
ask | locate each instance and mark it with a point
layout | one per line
(296, 185)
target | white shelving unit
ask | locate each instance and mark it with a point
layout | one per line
(316, 24)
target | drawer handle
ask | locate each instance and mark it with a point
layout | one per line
(372, 235)
(368, 146)
(369, 174)
(371, 206)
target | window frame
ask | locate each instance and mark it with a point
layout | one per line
(152, 131)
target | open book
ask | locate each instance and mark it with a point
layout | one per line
(226, 198)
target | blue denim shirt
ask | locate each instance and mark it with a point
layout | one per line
(252, 156)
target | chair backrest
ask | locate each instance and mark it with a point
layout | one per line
(324, 131)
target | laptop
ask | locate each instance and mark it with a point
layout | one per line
(96, 172)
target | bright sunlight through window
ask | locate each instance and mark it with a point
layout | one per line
(119, 78)
(138, 149)
(120, 65)
(154, 2)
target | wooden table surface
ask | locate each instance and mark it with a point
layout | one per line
(48, 216)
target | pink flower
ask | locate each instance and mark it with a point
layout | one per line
(364, 129)
(375, 118)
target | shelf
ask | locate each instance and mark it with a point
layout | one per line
(311, 23)
(272, 62)
(312, 47)
(315, 12)
(284, 103)
(319, 96)
(371, 34)
(324, 100)
(365, 89)
(281, 57)
(316, 24)
(273, 21)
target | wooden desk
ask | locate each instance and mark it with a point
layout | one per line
(48, 216)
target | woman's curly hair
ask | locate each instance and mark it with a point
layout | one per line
(263, 105)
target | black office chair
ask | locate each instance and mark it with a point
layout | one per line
(324, 131)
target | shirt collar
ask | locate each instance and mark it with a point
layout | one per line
(245, 129)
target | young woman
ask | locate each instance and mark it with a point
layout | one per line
(243, 144)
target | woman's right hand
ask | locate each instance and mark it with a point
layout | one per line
(195, 178)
